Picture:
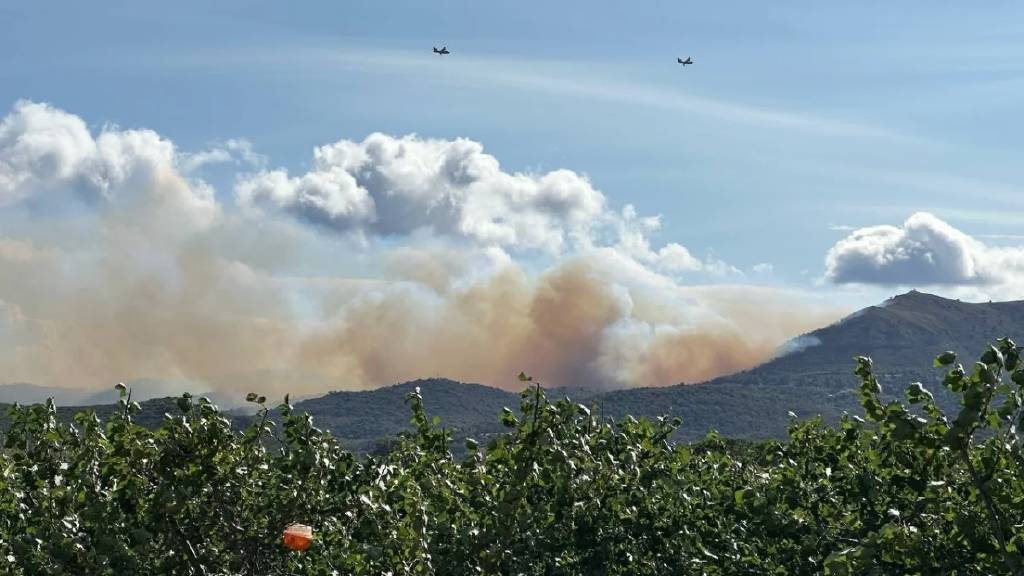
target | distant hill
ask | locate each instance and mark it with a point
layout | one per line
(25, 393)
(151, 415)
(366, 418)
(907, 331)
(142, 389)
(902, 335)
(815, 377)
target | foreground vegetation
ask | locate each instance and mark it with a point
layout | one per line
(563, 491)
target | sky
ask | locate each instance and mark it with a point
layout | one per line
(307, 197)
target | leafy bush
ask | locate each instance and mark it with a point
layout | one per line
(909, 490)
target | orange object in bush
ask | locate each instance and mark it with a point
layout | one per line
(298, 537)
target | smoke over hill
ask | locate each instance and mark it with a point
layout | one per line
(118, 261)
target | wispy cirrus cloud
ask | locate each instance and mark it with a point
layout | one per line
(237, 151)
(600, 82)
(564, 79)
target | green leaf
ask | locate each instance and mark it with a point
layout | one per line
(986, 374)
(992, 357)
(739, 496)
(916, 394)
(508, 419)
(944, 359)
(1018, 377)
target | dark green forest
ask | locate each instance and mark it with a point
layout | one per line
(904, 487)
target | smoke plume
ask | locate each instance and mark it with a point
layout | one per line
(392, 259)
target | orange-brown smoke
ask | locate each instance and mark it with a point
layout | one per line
(188, 313)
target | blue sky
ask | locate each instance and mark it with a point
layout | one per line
(800, 123)
(885, 109)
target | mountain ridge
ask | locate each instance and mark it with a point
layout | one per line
(901, 335)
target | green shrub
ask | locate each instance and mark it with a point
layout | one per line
(909, 490)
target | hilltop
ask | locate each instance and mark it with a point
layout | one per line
(902, 335)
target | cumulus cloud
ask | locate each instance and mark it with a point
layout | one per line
(395, 186)
(424, 277)
(45, 153)
(40, 146)
(924, 250)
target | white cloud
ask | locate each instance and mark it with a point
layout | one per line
(841, 228)
(628, 234)
(392, 186)
(46, 152)
(388, 186)
(923, 251)
(38, 146)
(236, 151)
(329, 198)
